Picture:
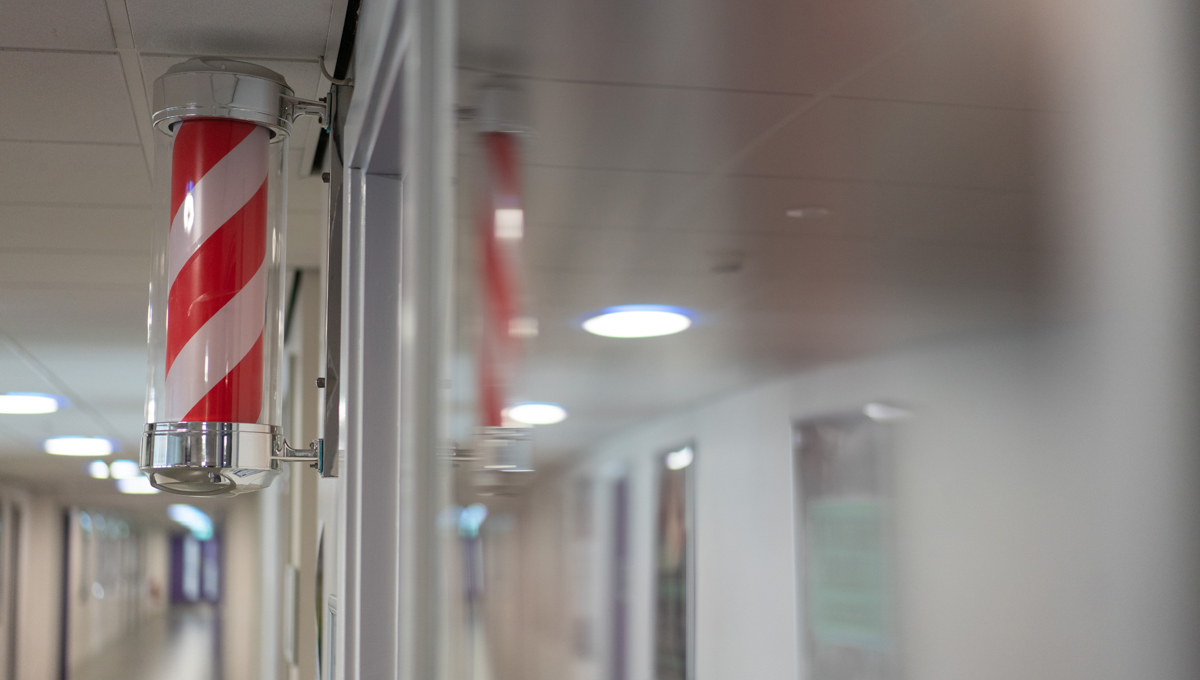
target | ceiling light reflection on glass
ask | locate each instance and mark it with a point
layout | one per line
(136, 485)
(639, 321)
(534, 413)
(78, 446)
(885, 412)
(510, 223)
(27, 403)
(97, 469)
(678, 460)
(807, 213)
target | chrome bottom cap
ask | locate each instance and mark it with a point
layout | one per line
(210, 459)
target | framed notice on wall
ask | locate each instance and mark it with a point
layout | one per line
(844, 471)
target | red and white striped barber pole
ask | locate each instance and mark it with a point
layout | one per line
(217, 272)
(501, 228)
(214, 404)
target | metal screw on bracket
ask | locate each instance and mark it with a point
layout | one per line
(325, 177)
(320, 383)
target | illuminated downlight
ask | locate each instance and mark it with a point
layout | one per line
(638, 321)
(136, 485)
(97, 469)
(25, 403)
(124, 469)
(536, 413)
(78, 446)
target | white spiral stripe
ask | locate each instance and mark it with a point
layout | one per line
(220, 344)
(218, 196)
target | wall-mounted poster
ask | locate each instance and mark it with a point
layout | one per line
(845, 477)
(674, 612)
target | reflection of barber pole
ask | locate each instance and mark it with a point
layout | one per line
(216, 272)
(502, 222)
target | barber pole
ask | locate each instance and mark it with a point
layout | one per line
(501, 223)
(217, 272)
(214, 407)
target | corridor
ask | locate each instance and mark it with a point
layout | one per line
(185, 648)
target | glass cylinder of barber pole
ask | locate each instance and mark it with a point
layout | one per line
(213, 405)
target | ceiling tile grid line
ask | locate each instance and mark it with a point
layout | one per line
(131, 67)
(37, 50)
(727, 168)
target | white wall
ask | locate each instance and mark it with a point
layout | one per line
(241, 589)
(40, 589)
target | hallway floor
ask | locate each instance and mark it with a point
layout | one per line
(183, 649)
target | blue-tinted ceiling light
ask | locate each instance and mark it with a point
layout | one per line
(639, 321)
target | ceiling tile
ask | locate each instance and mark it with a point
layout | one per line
(274, 28)
(983, 56)
(56, 227)
(759, 45)
(73, 174)
(902, 142)
(643, 128)
(56, 312)
(101, 270)
(63, 24)
(67, 97)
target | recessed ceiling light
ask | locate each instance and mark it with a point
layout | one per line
(124, 469)
(97, 469)
(139, 485)
(78, 446)
(28, 403)
(807, 212)
(678, 460)
(638, 321)
(532, 413)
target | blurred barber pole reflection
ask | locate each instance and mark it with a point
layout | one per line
(501, 227)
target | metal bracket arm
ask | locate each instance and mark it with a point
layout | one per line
(315, 453)
(294, 107)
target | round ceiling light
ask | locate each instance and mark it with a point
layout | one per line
(24, 403)
(535, 413)
(124, 469)
(97, 469)
(638, 321)
(78, 446)
(138, 485)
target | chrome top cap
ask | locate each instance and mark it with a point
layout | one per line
(211, 87)
(220, 65)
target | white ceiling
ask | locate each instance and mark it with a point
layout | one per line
(75, 198)
(669, 139)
